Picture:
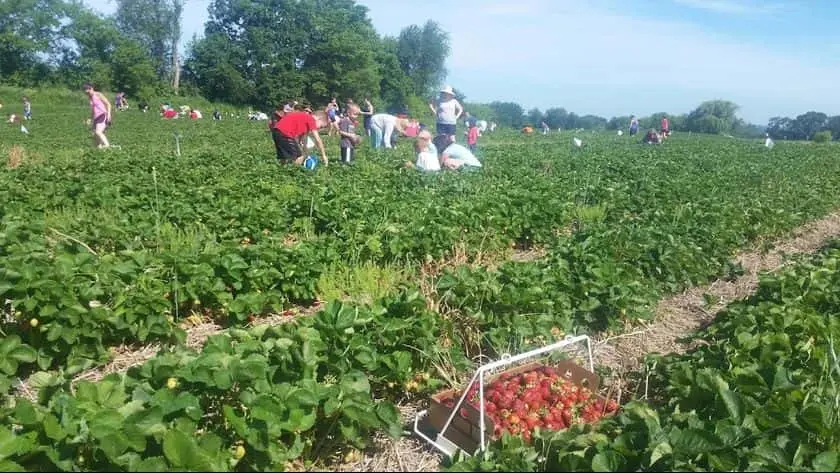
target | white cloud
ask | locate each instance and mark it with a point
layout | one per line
(731, 6)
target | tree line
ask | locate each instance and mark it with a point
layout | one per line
(253, 52)
(804, 127)
(263, 52)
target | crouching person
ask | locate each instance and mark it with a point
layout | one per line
(455, 156)
(652, 138)
(290, 132)
(427, 155)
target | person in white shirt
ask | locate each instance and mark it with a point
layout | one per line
(453, 155)
(427, 155)
(382, 126)
(448, 110)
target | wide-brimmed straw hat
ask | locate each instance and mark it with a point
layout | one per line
(447, 90)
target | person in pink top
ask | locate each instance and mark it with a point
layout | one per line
(100, 109)
(666, 127)
(472, 136)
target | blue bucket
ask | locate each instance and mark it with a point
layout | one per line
(310, 162)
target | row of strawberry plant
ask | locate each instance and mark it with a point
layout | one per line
(70, 305)
(252, 399)
(760, 393)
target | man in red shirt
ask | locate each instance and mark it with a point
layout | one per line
(290, 132)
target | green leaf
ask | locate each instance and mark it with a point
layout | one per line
(178, 448)
(781, 380)
(390, 417)
(659, 452)
(355, 382)
(815, 417)
(734, 404)
(827, 461)
(607, 461)
(694, 441)
(6, 465)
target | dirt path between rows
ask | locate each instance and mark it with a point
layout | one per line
(680, 315)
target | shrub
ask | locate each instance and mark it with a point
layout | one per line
(822, 136)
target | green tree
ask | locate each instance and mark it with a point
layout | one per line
(340, 57)
(509, 114)
(215, 69)
(276, 50)
(96, 51)
(534, 117)
(807, 124)
(833, 125)
(714, 116)
(556, 117)
(422, 52)
(156, 25)
(481, 111)
(395, 87)
(29, 30)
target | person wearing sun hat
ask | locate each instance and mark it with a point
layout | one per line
(448, 110)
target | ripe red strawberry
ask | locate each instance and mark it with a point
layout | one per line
(612, 406)
(567, 416)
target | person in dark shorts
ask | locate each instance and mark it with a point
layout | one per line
(347, 130)
(367, 112)
(448, 111)
(291, 130)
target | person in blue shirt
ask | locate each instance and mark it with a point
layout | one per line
(455, 156)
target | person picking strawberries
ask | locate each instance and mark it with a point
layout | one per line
(347, 131)
(292, 130)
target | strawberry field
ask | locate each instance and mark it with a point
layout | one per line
(121, 248)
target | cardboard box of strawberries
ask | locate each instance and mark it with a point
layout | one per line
(521, 400)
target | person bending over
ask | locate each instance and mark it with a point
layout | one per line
(453, 155)
(292, 130)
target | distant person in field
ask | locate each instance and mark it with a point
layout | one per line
(652, 138)
(454, 156)
(143, 106)
(121, 102)
(100, 109)
(634, 125)
(527, 130)
(545, 128)
(292, 130)
(472, 137)
(427, 155)
(382, 126)
(332, 114)
(217, 115)
(367, 113)
(469, 119)
(448, 110)
(666, 127)
(27, 109)
(349, 138)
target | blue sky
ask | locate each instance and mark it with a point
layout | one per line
(621, 57)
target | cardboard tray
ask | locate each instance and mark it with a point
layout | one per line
(466, 432)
